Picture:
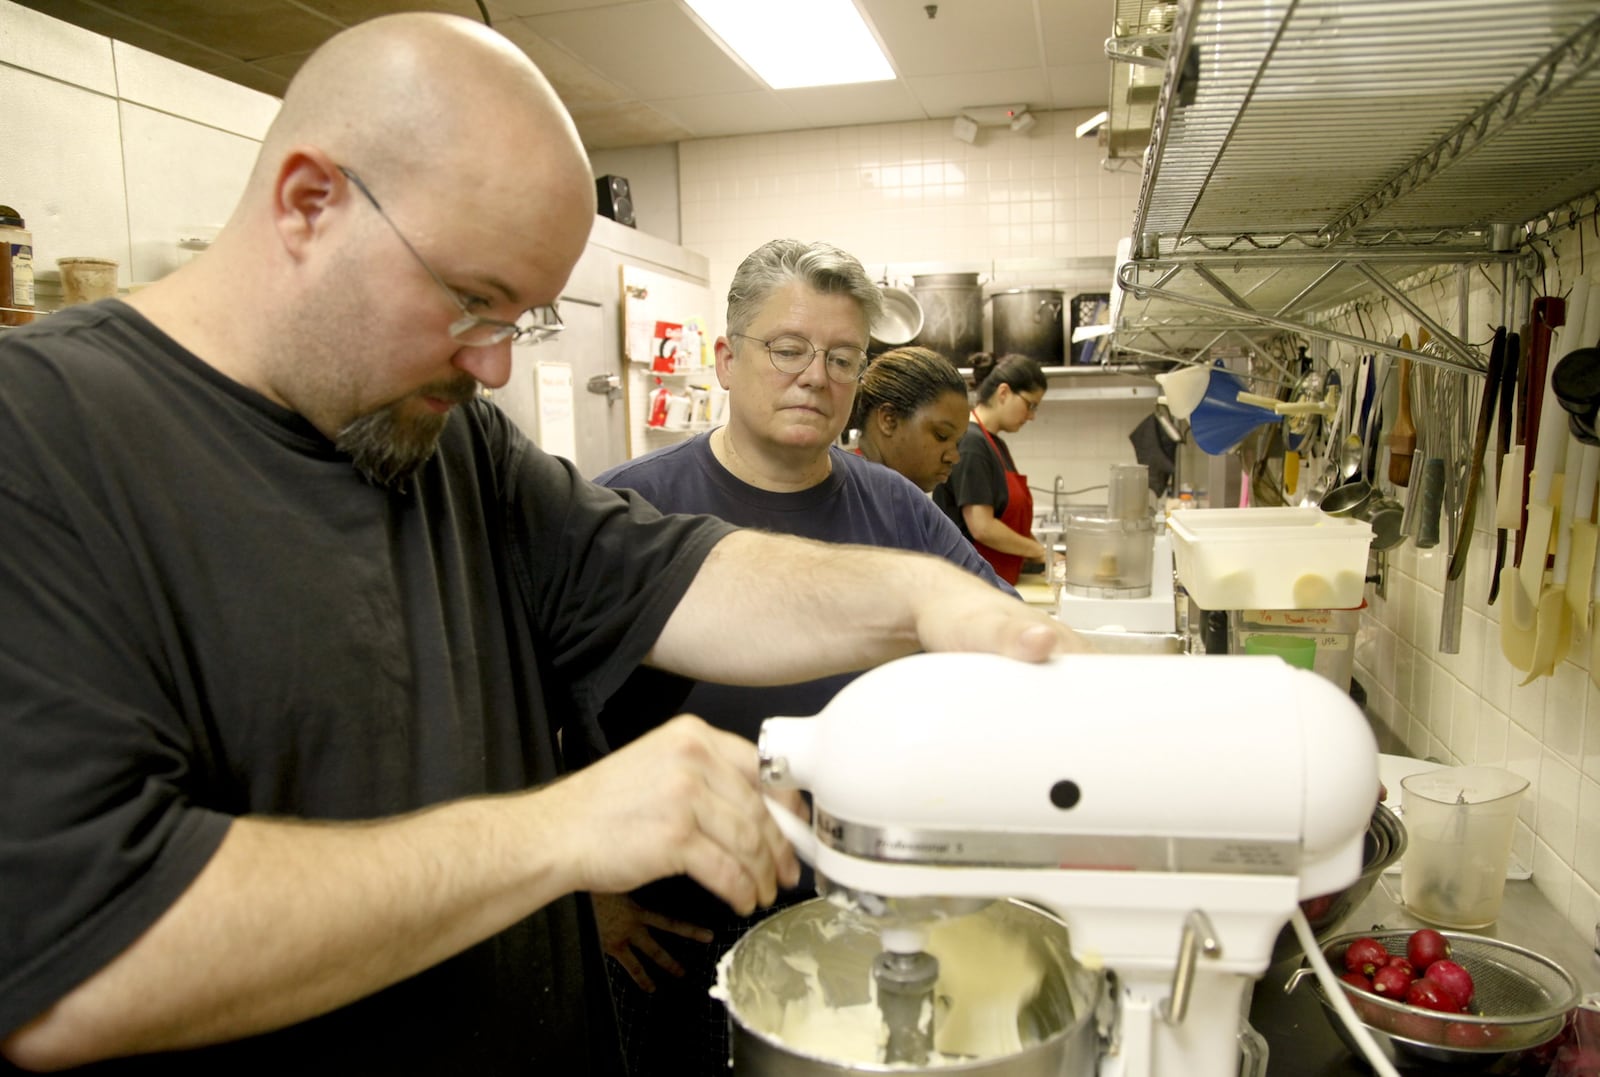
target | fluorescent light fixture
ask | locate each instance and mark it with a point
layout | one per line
(1092, 124)
(794, 43)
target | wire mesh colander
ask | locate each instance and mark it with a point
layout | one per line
(1520, 1001)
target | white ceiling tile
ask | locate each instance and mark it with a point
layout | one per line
(1080, 86)
(716, 115)
(1075, 31)
(578, 84)
(627, 123)
(848, 106)
(966, 35)
(948, 94)
(652, 48)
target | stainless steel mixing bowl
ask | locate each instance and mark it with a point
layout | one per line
(1057, 1028)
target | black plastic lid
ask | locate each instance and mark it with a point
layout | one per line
(11, 217)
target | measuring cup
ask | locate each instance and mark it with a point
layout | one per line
(1362, 501)
(1459, 824)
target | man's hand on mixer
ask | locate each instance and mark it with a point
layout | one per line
(681, 800)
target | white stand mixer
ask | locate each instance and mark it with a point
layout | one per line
(1172, 814)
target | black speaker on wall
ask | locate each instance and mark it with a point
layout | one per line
(615, 200)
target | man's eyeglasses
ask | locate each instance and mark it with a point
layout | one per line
(535, 325)
(791, 354)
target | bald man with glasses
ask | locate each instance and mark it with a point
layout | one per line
(296, 624)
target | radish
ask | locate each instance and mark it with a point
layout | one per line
(1425, 947)
(1455, 980)
(1365, 955)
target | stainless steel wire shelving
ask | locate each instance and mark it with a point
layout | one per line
(1305, 153)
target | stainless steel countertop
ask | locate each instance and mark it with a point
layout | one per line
(1303, 1044)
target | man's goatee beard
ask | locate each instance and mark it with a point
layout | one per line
(389, 451)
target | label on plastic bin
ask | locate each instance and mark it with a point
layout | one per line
(1305, 620)
(1326, 641)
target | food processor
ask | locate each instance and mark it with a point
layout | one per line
(1117, 570)
(1173, 834)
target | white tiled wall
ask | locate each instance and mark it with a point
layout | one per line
(900, 193)
(111, 151)
(1020, 207)
(1471, 707)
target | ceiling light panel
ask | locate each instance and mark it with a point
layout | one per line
(795, 43)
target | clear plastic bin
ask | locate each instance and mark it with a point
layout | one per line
(1280, 559)
(1332, 631)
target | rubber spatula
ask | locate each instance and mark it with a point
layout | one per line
(1519, 618)
(1552, 632)
(1585, 537)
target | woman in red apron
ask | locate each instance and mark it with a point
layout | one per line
(985, 495)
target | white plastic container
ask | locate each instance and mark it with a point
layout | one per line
(1270, 559)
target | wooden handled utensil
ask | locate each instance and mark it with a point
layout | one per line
(1403, 438)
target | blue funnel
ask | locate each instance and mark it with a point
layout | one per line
(1219, 422)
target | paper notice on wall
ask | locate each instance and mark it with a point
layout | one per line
(557, 433)
(640, 339)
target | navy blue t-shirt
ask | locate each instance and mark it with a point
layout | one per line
(859, 502)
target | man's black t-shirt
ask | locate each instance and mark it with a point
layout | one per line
(209, 613)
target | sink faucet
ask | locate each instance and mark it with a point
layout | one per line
(1059, 491)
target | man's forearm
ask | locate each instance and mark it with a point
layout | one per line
(290, 920)
(773, 609)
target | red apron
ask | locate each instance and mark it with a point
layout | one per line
(1018, 515)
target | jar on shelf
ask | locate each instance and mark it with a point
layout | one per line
(16, 269)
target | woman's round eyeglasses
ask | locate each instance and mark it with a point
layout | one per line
(791, 354)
